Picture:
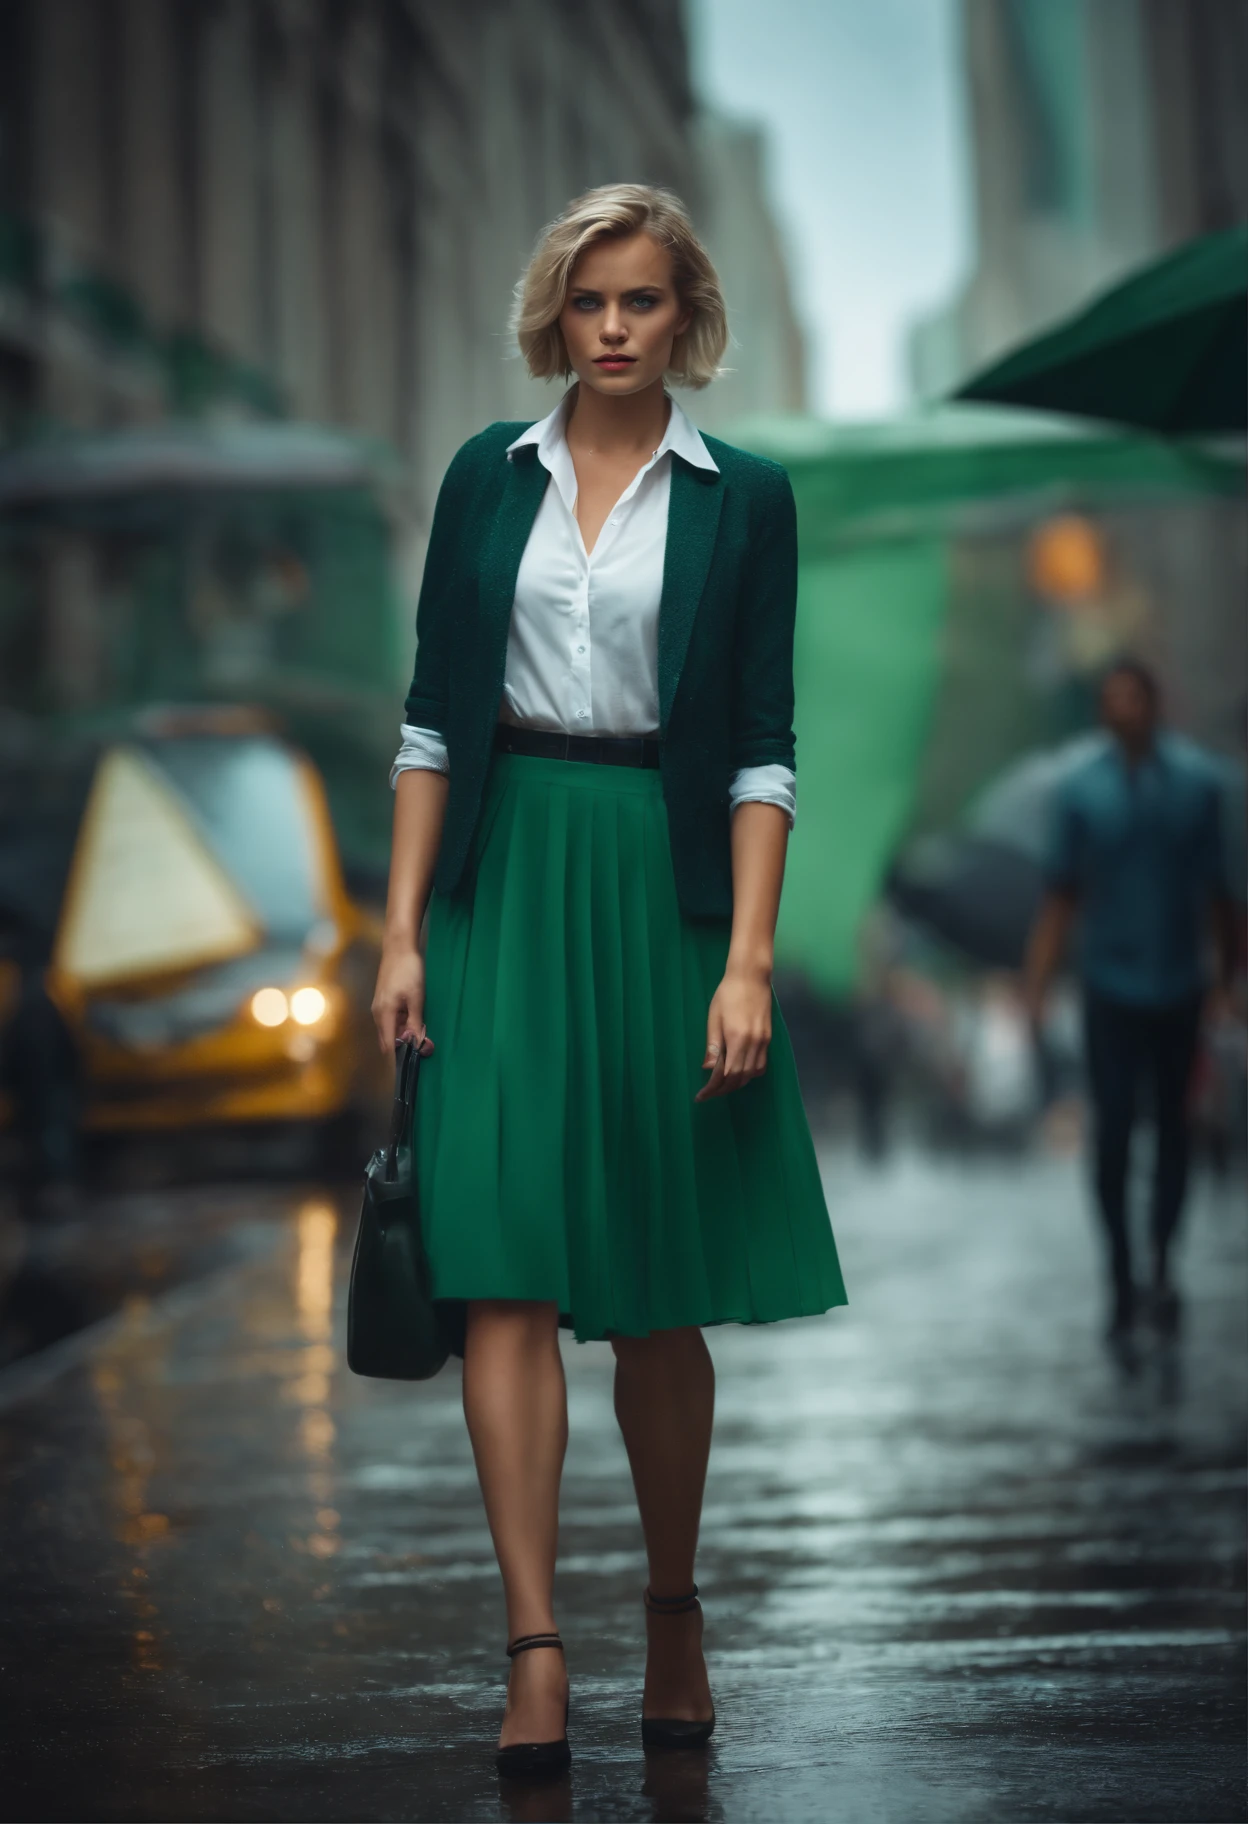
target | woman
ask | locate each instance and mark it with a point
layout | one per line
(596, 788)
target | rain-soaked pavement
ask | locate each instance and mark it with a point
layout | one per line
(957, 1564)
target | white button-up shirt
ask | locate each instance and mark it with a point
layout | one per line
(582, 651)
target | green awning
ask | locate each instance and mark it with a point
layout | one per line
(1166, 350)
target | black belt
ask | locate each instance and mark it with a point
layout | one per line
(606, 750)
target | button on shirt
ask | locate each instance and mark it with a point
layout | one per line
(582, 651)
(1142, 847)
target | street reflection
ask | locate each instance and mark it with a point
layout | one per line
(536, 1801)
(677, 1784)
(316, 1226)
(211, 1493)
(129, 1365)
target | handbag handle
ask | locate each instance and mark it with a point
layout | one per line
(406, 1071)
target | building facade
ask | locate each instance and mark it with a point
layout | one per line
(765, 366)
(326, 201)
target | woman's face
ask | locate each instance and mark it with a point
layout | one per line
(622, 314)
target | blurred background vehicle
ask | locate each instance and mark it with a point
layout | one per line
(181, 947)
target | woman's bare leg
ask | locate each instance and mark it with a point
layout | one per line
(665, 1403)
(515, 1402)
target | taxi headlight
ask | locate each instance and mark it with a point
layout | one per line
(307, 1005)
(269, 1007)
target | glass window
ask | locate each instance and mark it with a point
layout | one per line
(248, 802)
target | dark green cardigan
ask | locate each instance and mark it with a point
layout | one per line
(725, 639)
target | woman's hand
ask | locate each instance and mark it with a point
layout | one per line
(399, 1000)
(738, 1026)
(738, 1032)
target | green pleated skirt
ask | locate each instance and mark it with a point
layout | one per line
(560, 1153)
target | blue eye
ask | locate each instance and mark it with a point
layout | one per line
(585, 304)
(645, 303)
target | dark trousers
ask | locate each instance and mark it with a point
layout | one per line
(1124, 1043)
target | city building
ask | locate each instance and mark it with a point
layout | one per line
(765, 366)
(1102, 133)
(305, 206)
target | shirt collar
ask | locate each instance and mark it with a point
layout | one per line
(681, 437)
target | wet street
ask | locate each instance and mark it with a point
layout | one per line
(957, 1563)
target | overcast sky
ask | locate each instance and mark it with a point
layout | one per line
(862, 104)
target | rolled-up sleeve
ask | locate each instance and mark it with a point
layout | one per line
(422, 750)
(773, 784)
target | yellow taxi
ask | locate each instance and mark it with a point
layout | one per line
(208, 963)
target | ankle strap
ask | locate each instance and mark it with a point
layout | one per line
(672, 1605)
(528, 1641)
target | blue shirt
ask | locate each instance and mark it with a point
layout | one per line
(1141, 846)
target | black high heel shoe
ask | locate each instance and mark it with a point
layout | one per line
(674, 1731)
(521, 1759)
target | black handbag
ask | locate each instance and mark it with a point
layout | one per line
(393, 1326)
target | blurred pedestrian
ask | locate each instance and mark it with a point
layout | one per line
(593, 798)
(1137, 854)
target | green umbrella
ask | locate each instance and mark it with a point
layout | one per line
(1165, 350)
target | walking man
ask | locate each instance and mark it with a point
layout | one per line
(1137, 854)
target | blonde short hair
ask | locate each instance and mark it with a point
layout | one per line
(612, 212)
